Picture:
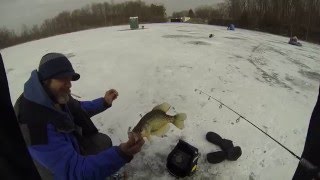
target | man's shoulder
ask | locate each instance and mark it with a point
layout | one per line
(35, 119)
(27, 111)
(32, 120)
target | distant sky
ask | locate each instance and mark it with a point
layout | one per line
(15, 13)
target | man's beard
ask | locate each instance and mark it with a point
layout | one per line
(62, 98)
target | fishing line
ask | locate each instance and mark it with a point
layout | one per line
(242, 117)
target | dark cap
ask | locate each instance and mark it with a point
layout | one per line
(56, 65)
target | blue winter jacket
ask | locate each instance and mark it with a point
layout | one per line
(61, 155)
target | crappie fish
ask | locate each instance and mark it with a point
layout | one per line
(156, 122)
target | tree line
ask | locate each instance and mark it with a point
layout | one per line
(299, 18)
(90, 16)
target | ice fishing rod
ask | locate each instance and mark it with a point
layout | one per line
(242, 117)
(304, 162)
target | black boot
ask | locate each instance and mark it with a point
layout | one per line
(232, 153)
(214, 138)
(216, 157)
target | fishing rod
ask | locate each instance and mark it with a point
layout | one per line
(303, 161)
(242, 117)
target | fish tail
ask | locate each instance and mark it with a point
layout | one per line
(178, 120)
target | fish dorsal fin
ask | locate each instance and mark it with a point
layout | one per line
(162, 107)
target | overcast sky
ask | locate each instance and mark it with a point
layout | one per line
(14, 13)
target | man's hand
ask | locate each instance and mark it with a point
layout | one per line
(133, 145)
(110, 96)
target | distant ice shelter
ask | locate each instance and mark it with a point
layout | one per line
(134, 23)
(176, 20)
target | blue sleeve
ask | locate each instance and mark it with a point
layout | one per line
(94, 107)
(61, 158)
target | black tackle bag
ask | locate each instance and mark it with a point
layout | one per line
(182, 160)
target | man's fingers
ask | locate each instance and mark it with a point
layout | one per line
(131, 140)
(135, 148)
(136, 138)
(134, 143)
(141, 143)
(114, 96)
(113, 93)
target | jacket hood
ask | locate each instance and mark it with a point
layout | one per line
(34, 91)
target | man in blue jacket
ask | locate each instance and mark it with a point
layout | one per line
(61, 138)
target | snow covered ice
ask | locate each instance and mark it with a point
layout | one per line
(259, 75)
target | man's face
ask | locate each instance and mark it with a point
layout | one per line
(60, 88)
